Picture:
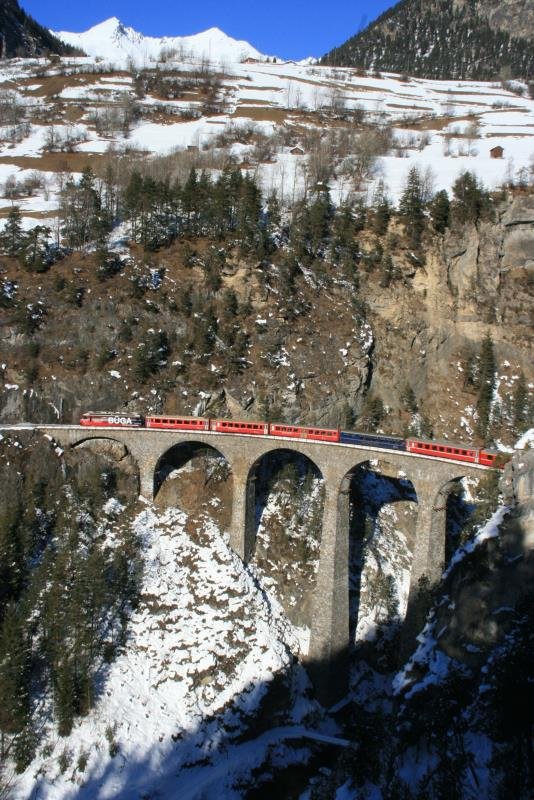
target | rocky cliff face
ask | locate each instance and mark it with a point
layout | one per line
(70, 342)
(516, 17)
(476, 279)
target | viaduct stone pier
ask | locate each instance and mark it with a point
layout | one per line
(432, 480)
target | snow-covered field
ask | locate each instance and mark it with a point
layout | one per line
(443, 127)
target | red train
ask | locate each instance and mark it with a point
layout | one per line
(113, 419)
(423, 447)
(488, 458)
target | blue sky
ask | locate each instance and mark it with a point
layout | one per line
(289, 29)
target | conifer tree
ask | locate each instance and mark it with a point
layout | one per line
(347, 416)
(12, 238)
(408, 398)
(344, 246)
(411, 207)
(486, 384)
(132, 200)
(14, 673)
(248, 216)
(440, 210)
(382, 211)
(82, 217)
(300, 232)
(35, 251)
(24, 747)
(471, 201)
(320, 217)
(64, 695)
(273, 218)
(12, 561)
(372, 413)
(212, 268)
(387, 269)
(520, 403)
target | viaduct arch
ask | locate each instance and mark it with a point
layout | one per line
(177, 456)
(432, 479)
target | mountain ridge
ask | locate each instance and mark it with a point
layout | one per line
(21, 35)
(114, 40)
(414, 37)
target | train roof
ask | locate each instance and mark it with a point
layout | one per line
(456, 445)
(389, 436)
(112, 414)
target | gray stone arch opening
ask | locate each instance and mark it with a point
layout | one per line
(443, 535)
(285, 506)
(430, 547)
(210, 466)
(379, 548)
(114, 450)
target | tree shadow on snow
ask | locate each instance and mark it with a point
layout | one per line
(268, 728)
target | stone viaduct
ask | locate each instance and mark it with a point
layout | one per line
(432, 480)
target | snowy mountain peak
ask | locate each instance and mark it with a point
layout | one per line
(113, 40)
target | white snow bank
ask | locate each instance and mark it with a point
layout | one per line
(526, 441)
(203, 646)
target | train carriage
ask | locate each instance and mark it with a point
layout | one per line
(235, 426)
(112, 419)
(492, 458)
(178, 423)
(372, 440)
(298, 432)
(454, 452)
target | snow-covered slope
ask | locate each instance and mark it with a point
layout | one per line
(442, 128)
(203, 648)
(114, 41)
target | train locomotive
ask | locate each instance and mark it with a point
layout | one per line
(423, 447)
